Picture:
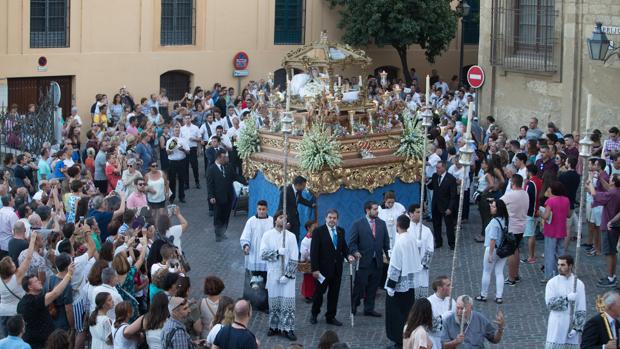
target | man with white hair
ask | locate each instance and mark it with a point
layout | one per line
(474, 331)
(597, 334)
(109, 280)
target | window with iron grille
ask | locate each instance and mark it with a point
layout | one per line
(289, 22)
(178, 24)
(176, 83)
(49, 23)
(471, 24)
(523, 35)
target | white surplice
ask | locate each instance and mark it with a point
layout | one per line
(560, 323)
(426, 248)
(252, 234)
(389, 215)
(280, 283)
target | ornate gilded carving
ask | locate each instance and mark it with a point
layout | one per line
(328, 181)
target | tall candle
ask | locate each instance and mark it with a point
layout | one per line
(288, 95)
(470, 112)
(360, 80)
(428, 90)
(589, 111)
(339, 80)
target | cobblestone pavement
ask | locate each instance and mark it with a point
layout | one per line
(524, 308)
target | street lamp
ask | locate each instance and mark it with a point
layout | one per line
(599, 45)
(463, 9)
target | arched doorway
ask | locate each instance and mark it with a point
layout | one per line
(176, 83)
(390, 69)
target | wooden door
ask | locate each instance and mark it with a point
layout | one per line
(25, 91)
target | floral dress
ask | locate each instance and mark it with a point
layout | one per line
(127, 290)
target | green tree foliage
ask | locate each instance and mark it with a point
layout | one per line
(399, 23)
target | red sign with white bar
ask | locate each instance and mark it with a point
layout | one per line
(475, 76)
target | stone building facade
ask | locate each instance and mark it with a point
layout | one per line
(535, 55)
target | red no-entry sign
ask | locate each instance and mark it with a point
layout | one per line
(475, 76)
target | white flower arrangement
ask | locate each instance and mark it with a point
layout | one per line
(314, 88)
(318, 149)
(248, 142)
(412, 141)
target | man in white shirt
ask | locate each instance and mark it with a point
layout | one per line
(442, 305)
(177, 148)
(224, 139)
(7, 221)
(191, 133)
(462, 178)
(108, 284)
(234, 132)
(207, 130)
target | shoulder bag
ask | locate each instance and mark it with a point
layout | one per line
(508, 245)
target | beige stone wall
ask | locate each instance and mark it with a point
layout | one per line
(116, 42)
(513, 97)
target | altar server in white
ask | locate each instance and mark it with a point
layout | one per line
(280, 281)
(255, 228)
(389, 211)
(404, 263)
(425, 244)
(564, 331)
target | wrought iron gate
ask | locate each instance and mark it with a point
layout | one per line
(28, 132)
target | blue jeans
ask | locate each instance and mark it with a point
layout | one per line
(554, 247)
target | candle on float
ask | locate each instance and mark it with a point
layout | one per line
(470, 113)
(588, 111)
(351, 119)
(428, 90)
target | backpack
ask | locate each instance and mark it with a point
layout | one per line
(508, 246)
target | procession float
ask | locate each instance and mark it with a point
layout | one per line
(324, 128)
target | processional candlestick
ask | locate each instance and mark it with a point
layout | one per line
(465, 155)
(585, 152)
(287, 122)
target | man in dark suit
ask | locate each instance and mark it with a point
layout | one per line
(328, 249)
(444, 204)
(221, 192)
(368, 241)
(595, 332)
(210, 150)
(293, 198)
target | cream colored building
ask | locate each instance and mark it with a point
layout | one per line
(101, 45)
(535, 56)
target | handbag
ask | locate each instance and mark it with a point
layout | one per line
(508, 245)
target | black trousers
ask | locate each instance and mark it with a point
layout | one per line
(176, 172)
(192, 159)
(366, 283)
(466, 204)
(102, 186)
(221, 216)
(332, 287)
(449, 221)
(397, 309)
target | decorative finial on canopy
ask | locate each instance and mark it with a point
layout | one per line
(323, 39)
